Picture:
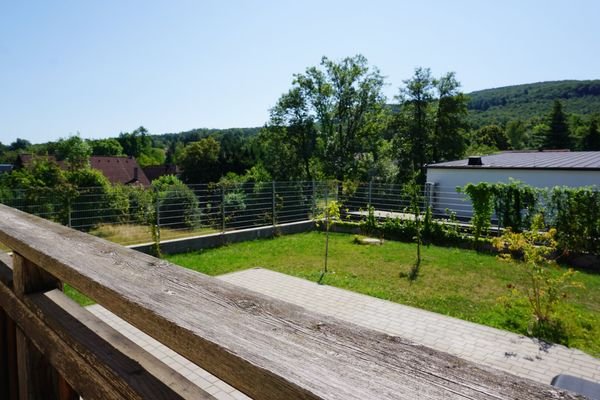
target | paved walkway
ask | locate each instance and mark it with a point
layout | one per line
(493, 347)
(219, 389)
(507, 351)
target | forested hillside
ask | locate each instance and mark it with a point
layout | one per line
(334, 121)
(523, 102)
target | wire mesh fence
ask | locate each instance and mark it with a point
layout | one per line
(125, 214)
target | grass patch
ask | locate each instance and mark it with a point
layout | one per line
(460, 283)
(77, 296)
(134, 234)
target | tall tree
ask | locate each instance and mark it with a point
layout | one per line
(136, 142)
(348, 106)
(591, 139)
(290, 137)
(415, 121)
(75, 151)
(451, 120)
(558, 136)
(106, 147)
(516, 134)
(199, 161)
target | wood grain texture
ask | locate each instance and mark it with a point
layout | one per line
(110, 351)
(86, 373)
(266, 348)
(11, 340)
(37, 380)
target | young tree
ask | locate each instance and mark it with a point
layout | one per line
(558, 136)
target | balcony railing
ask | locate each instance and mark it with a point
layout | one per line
(51, 348)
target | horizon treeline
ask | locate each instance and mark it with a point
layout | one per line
(334, 122)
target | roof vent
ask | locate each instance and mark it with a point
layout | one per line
(475, 160)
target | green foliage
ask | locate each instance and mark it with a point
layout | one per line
(430, 123)
(199, 161)
(106, 147)
(558, 136)
(514, 204)
(74, 151)
(482, 200)
(544, 290)
(492, 136)
(330, 215)
(177, 203)
(136, 142)
(576, 216)
(529, 101)
(591, 139)
(346, 103)
(289, 140)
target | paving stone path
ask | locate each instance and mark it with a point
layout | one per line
(507, 351)
(500, 349)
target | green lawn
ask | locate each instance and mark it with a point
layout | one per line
(461, 283)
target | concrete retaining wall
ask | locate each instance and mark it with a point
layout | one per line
(185, 245)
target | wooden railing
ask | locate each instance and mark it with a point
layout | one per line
(51, 348)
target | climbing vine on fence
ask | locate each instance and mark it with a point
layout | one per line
(482, 199)
(514, 204)
(576, 214)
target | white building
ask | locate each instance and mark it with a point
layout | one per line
(538, 169)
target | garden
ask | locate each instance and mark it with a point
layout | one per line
(461, 283)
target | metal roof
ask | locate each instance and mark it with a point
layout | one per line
(569, 160)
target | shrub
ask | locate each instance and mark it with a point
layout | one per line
(576, 216)
(177, 203)
(545, 288)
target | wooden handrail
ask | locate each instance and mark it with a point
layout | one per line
(266, 348)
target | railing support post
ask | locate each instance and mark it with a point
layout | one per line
(370, 192)
(37, 379)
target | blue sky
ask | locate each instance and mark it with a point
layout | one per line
(103, 67)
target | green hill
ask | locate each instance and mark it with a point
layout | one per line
(499, 105)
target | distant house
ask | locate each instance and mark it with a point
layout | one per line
(117, 169)
(156, 171)
(535, 168)
(124, 170)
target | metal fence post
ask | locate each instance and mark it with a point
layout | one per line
(370, 192)
(69, 213)
(314, 199)
(223, 209)
(273, 197)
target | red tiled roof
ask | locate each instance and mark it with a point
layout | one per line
(120, 169)
(156, 171)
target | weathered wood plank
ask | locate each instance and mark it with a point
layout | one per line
(37, 380)
(6, 273)
(11, 340)
(264, 347)
(3, 356)
(85, 373)
(102, 345)
(36, 377)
